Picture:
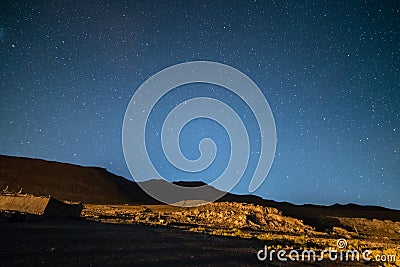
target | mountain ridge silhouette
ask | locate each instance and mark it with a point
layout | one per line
(96, 185)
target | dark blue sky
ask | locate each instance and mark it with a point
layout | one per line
(330, 71)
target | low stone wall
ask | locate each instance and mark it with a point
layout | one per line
(24, 203)
(43, 206)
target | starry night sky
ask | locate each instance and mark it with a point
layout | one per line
(330, 71)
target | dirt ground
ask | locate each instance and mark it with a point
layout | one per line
(94, 244)
(82, 243)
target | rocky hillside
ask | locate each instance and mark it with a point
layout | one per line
(98, 186)
(68, 182)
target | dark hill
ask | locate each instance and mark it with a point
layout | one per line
(98, 186)
(69, 182)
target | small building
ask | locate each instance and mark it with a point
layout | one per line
(46, 207)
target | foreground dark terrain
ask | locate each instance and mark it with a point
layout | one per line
(75, 243)
(121, 225)
(78, 243)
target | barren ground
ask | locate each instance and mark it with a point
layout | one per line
(218, 234)
(79, 243)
